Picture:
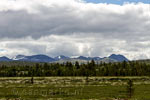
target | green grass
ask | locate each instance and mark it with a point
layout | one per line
(73, 88)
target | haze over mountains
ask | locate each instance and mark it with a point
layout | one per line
(62, 58)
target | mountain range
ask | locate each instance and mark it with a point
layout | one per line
(63, 59)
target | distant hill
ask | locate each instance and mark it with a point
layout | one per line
(34, 58)
(119, 58)
(5, 59)
(63, 59)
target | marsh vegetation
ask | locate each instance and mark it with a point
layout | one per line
(75, 88)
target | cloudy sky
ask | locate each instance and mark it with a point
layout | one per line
(75, 27)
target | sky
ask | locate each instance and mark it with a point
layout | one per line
(119, 2)
(75, 27)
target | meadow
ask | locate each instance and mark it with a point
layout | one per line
(73, 88)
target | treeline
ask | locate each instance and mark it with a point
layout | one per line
(133, 68)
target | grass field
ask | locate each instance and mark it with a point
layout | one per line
(73, 88)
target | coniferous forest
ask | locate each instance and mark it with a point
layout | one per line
(24, 69)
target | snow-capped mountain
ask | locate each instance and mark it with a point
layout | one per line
(88, 58)
(34, 58)
(62, 58)
(18, 57)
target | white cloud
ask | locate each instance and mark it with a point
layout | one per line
(74, 27)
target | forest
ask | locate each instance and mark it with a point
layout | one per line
(26, 69)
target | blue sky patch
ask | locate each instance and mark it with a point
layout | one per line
(117, 1)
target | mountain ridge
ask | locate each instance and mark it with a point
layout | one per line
(62, 58)
(118, 57)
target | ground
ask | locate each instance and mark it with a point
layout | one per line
(73, 88)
